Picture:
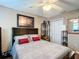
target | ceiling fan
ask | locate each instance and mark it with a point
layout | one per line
(47, 5)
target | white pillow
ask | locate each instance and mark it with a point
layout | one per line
(16, 38)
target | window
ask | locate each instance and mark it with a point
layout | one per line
(75, 25)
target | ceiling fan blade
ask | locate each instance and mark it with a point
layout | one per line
(37, 5)
(68, 3)
(56, 7)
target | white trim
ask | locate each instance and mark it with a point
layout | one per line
(77, 52)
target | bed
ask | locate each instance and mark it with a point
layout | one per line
(36, 49)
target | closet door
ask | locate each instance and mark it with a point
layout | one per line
(56, 27)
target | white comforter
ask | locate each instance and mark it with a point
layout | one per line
(40, 50)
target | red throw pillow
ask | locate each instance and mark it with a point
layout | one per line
(36, 38)
(23, 40)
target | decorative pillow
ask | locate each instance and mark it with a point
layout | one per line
(23, 41)
(16, 38)
(33, 35)
(35, 38)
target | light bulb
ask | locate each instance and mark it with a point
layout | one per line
(47, 7)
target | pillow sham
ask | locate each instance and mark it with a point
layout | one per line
(23, 41)
(16, 38)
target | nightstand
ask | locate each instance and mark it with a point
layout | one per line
(64, 38)
(65, 44)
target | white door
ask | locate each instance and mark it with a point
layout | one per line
(56, 28)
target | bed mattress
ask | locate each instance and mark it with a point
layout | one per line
(39, 50)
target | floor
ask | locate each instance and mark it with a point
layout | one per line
(76, 57)
(7, 58)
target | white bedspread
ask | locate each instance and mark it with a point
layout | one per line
(39, 50)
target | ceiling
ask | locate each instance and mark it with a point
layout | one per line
(25, 5)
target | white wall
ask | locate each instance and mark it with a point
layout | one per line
(8, 19)
(73, 41)
(73, 38)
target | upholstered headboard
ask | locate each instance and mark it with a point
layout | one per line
(22, 31)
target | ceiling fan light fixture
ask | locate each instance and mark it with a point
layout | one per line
(53, 1)
(47, 7)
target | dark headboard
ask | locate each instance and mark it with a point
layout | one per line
(22, 31)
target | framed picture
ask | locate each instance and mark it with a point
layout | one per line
(25, 21)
